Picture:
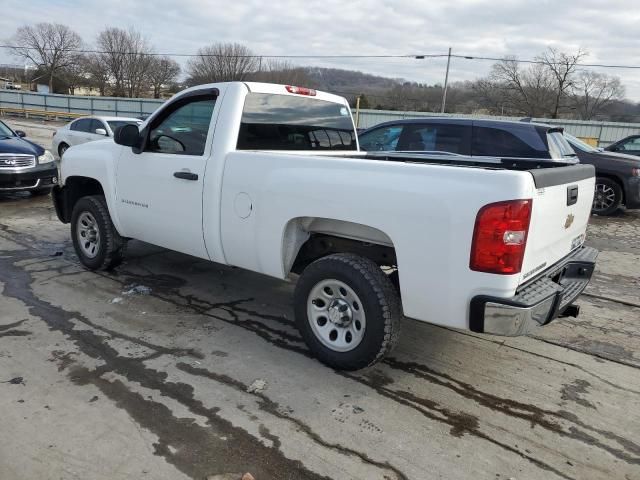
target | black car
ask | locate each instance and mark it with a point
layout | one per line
(25, 166)
(618, 177)
(617, 181)
(473, 137)
(628, 145)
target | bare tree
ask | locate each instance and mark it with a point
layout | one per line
(163, 71)
(563, 67)
(114, 46)
(98, 73)
(138, 63)
(221, 62)
(127, 56)
(528, 91)
(75, 74)
(592, 92)
(50, 46)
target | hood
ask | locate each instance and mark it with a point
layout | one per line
(20, 145)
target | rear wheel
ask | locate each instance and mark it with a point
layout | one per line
(96, 241)
(607, 196)
(347, 310)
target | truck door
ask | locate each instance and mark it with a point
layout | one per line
(159, 190)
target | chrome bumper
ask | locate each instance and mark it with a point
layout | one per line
(538, 302)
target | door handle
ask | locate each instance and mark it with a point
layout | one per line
(186, 175)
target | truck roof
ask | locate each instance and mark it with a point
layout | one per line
(273, 88)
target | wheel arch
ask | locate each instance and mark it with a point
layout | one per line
(75, 187)
(306, 239)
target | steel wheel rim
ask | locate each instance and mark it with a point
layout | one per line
(88, 234)
(604, 198)
(336, 315)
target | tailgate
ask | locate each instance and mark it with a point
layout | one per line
(561, 210)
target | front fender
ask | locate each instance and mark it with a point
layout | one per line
(93, 160)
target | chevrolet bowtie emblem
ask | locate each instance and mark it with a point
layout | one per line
(569, 221)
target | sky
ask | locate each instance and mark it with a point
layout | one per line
(606, 29)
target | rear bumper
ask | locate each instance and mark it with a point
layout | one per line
(41, 176)
(538, 302)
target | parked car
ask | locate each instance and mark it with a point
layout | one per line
(477, 138)
(617, 177)
(88, 129)
(269, 178)
(617, 182)
(24, 165)
(629, 145)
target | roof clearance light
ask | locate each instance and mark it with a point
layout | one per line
(301, 90)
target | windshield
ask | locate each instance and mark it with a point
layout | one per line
(116, 124)
(579, 144)
(287, 122)
(5, 132)
(558, 146)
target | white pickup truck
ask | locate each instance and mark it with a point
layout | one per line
(269, 178)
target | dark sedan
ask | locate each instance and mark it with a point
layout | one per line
(24, 166)
(617, 177)
(628, 145)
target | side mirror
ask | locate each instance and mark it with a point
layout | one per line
(101, 131)
(128, 136)
(21, 133)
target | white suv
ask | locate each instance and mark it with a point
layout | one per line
(88, 129)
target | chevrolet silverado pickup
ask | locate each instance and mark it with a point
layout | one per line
(270, 178)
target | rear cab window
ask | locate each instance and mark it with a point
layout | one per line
(287, 122)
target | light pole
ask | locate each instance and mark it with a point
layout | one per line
(446, 82)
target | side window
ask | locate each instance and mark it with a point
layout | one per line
(82, 125)
(183, 129)
(632, 144)
(381, 139)
(95, 124)
(436, 137)
(521, 142)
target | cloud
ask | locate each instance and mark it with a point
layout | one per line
(607, 30)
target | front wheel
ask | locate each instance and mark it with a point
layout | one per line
(63, 147)
(96, 241)
(347, 311)
(607, 197)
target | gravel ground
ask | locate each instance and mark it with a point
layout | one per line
(201, 374)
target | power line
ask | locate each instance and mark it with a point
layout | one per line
(419, 56)
(15, 47)
(542, 62)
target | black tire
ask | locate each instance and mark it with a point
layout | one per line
(62, 148)
(380, 302)
(38, 192)
(607, 198)
(111, 248)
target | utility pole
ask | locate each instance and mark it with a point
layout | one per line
(446, 82)
(357, 111)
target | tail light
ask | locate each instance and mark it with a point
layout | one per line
(500, 237)
(301, 90)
